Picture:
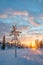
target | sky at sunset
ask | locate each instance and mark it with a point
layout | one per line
(27, 15)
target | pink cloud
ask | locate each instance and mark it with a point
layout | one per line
(31, 20)
(20, 13)
(41, 16)
(23, 27)
(35, 24)
(3, 16)
(11, 13)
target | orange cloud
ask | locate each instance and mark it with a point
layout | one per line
(31, 38)
(26, 40)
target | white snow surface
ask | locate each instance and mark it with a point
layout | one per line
(24, 57)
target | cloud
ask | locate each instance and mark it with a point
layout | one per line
(10, 13)
(4, 27)
(41, 16)
(32, 21)
(4, 30)
(3, 16)
(25, 18)
(40, 1)
(23, 27)
(20, 13)
(31, 38)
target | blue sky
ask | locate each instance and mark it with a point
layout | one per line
(27, 15)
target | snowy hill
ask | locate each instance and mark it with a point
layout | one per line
(24, 57)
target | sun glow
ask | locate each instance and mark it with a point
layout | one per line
(33, 45)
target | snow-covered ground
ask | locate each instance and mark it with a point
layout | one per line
(24, 57)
